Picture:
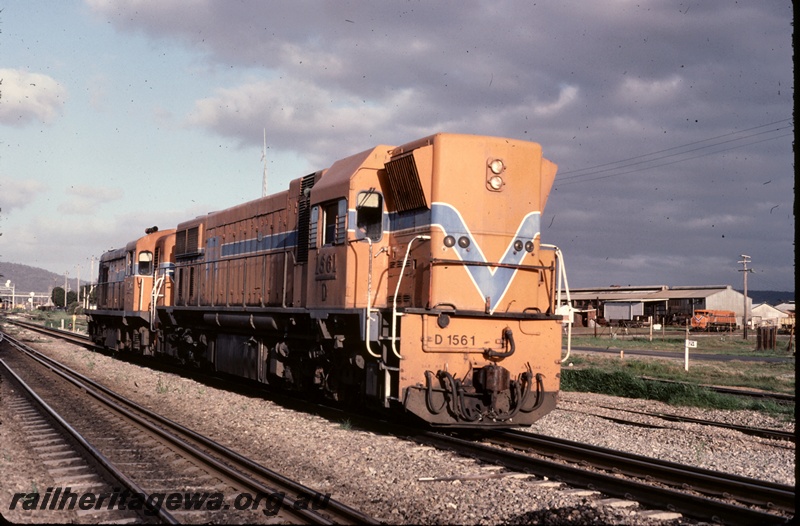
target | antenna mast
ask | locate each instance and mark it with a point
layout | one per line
(264, 158)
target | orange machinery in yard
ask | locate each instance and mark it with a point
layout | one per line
(713, 320)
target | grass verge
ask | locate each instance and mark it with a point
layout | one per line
(627, 383)
(713, 343)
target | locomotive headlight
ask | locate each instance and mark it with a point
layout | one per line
(449, 241)
(463, 242)
(529, 246)
(495, 182)
(497, 166)
(518, 245)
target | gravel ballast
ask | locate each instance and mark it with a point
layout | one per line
(380, 475)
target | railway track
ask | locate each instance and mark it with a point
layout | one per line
(83, 340)
(776, 434)
(73, 337)
(162, 458)
(777, 397)
(693, 492)
(742, 489)
(759, 503)
(70, 461)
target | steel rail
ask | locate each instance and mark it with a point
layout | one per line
(233, 465)
(779, 397)
(84, 444)
(698, 507)
(743, 489)
(690, 505)
(762, 432)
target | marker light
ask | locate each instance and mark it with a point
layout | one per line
(495, 182)
(496, 166)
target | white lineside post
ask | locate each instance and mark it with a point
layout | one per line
(686, 355)
(686, 346)
(690, 344)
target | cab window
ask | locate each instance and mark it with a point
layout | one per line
(334, 216)
(369, 215)
(145, 267)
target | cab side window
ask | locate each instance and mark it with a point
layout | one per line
(145, 267)
(369, 215)
(334, 216)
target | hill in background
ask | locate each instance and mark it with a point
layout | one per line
(771, 297)
(32, 279)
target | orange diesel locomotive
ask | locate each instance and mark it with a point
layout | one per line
(714, 320)
(409, 278)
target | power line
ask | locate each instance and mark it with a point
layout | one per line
(593, 172)
(678, 147)
(667, 163)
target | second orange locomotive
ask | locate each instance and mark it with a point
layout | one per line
(410, 278)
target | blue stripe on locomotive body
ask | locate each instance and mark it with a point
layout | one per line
(491, 282)
(279, 242)
(398, 222)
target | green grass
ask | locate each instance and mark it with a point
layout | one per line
(631, 378)
(346, 424)
(625, 384)
(53, 319)
(637, 377)
(714, 343)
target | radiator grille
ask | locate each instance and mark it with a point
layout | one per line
(303, 217)
(405, 188)
(187, 242)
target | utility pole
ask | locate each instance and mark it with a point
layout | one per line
(745, 260)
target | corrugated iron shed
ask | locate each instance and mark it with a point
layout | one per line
(646, 294)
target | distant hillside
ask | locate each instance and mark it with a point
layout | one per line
(771, 297)
(32, 279)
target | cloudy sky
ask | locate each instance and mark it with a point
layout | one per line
(671, 121)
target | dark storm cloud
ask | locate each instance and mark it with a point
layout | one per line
(594, 82)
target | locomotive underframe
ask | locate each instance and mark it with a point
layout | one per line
(324, 352)
(123, 331)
